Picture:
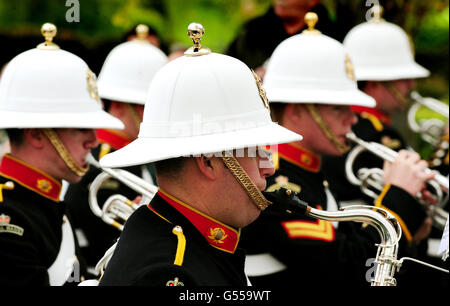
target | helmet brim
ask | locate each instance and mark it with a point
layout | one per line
(144, 150)
(82, 120)
(377, 73)
(332, 97)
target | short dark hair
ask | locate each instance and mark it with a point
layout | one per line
(277, 112)
(15, 136)
(106, 104)
(170, 167)
(362, 85)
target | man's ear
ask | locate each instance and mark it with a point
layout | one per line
(35, 138)
(208, 166)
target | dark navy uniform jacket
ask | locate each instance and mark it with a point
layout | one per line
(97, 236)
(313, 252)
(31, 234)
(169, 243)
(374, 126)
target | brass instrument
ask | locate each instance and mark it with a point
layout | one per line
(371, 180)
(430, 129)
(384, 222)
(117, 208)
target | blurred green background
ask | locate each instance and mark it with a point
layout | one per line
(103, 24)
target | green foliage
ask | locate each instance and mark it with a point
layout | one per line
(108, 19)
(104, 22)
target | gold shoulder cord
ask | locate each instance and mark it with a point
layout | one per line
(342, 147)
(235, 168)
(64, 154)
(6, 186)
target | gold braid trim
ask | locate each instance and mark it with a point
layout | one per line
(63, 153)
(342, 147)
(253, 192)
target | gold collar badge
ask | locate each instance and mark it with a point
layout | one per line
(217, 235)
(44, 185)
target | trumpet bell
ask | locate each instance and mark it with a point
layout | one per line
(117, 208)
(371, 180)
(430, 129)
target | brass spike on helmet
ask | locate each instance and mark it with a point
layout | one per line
(49, 31)
(195, 32)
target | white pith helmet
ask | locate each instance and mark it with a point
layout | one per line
(382, 51)
(312, 68)
(47, 87)
(201, 103)
(129, 68)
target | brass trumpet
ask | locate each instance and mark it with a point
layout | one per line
(384, 222)
(371, 180)
(430, 129)
(117, 208)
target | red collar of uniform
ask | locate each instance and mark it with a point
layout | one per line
(219, 235)
(299, 156)
(373, 111)
(115, 139)
(30, 177)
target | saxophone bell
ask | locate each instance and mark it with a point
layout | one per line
(384, 222)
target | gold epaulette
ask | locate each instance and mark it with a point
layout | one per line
(181, 247)
(7, 186)
(104, 149)
(374, 120)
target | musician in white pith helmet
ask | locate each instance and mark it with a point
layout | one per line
(205, 116)
(383, 57)
(50, 109)
(385, 68)
(311, 86)
(122, 85)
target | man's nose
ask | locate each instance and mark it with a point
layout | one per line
(91, 139)
(265, 164)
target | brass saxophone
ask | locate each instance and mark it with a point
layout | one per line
(384, 222)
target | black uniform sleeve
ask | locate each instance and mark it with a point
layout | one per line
(20, 262)
(407, 210)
